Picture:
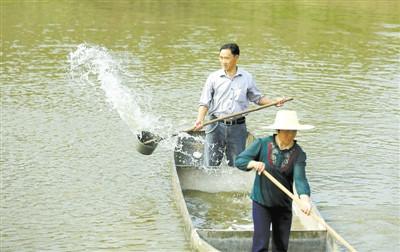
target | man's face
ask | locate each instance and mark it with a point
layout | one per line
(228, 60)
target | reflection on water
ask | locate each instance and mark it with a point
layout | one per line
(71, 179)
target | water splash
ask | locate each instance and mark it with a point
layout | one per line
(94, 67)
(97, 73)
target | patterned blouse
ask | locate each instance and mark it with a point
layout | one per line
(285, 165)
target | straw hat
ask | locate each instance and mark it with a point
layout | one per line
(287, 120)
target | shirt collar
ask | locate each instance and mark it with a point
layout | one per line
(221, 72)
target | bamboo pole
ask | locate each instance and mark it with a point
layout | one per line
(315, 216)
(242, 113)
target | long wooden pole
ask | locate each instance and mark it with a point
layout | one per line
(242, 113)
(315, 216)
(228, 116)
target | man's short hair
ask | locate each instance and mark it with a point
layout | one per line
(231, 46)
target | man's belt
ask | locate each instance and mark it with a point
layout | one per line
(230, 121)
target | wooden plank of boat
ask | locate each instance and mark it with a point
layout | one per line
(306, 234)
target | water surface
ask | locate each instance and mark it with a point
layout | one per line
(71, 179)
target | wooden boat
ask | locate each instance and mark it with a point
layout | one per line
(189, 178)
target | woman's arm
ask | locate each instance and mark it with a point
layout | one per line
(246, 160)
(306, 206)
(301, 182)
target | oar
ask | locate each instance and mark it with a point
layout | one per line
(226, 117)
(315, 216)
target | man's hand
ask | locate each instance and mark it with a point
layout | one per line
(280, 101)
(198, 125)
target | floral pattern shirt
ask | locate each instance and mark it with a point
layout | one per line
(287, 166)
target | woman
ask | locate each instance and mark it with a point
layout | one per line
(284, 159)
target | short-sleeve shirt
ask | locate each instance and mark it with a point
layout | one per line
(223, 95)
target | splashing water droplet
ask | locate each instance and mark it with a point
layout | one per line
(197, 154)
(94, 66)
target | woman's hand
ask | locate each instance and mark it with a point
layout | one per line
(306, 206)
(258, 166)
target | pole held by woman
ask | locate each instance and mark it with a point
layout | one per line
(283, 162)
(312, 213)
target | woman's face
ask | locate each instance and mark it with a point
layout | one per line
(287, 136)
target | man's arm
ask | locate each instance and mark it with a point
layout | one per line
(200, 117)
(264, 101)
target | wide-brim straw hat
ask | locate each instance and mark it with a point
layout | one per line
(287, 120)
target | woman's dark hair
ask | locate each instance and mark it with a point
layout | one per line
(231, 46)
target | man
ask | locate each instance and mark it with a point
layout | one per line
(225, 92)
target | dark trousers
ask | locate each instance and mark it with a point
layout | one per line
(281, 220)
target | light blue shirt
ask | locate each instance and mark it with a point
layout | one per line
(223, 96)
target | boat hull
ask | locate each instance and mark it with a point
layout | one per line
(306, 234)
